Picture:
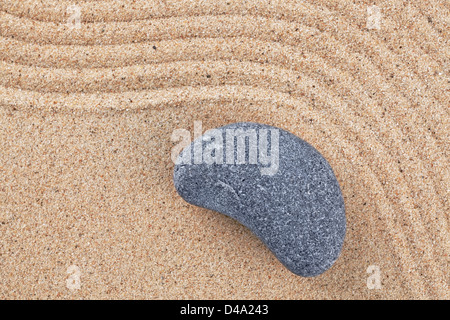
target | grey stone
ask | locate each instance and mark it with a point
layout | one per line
(288, 196)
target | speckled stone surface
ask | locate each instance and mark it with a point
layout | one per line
(290, 198)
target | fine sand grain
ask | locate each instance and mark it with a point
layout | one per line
(87, 204)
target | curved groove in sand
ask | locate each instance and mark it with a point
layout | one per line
(100, 29)
(264, 13)
(247, 31)
(234, 44)
(262, 16)
(56, 11)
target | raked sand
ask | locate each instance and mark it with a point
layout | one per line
(88, 209)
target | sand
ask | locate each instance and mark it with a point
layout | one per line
(88, 209)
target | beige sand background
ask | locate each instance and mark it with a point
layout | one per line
(86, 117)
